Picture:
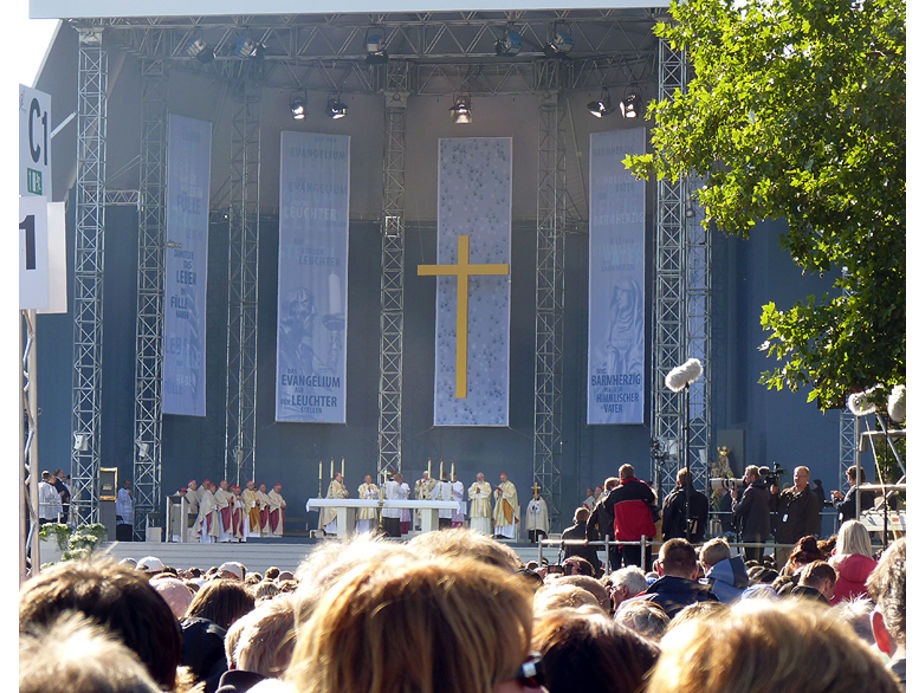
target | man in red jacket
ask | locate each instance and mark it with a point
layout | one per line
(630, 505)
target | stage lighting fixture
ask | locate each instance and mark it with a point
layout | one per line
(602, 106)
(629, 106)
(297, 106)
(375, 47)
(200, 50)
(248, 47)
(81, 442)
(561, 44)
(336, 109)
(510, 44)
(461, 111)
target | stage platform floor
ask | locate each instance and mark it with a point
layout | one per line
(256, 554)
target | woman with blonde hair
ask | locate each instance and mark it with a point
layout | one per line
(455, 626)
(853, 560)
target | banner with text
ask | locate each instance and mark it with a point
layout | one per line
(189, 149)
(474, 200)
(616, 304)
(314, 213)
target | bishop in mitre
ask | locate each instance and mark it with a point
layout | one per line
(479, 493)
(506, 509)
(328, 519)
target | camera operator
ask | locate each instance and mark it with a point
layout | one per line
(686, 511)
(752, 512)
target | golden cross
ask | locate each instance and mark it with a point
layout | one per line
(462, 270)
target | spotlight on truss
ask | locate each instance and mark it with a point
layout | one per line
(297, 106)
(336, 109)
(602, 106)
(510, 44)
(630, 105)
(200, 50)
(461, 111)
(375, 47)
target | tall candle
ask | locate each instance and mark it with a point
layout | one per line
(331, 470)
(441, 470)
(429, 474)
(320, 477)
(342, 463)
(452, 469)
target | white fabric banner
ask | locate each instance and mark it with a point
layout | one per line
(616, 304)
(189, 149)
(474, 189)
(314, 212)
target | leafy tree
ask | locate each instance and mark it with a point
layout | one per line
(797, 111)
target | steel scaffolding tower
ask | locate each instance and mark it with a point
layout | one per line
(149, 325)
(243, 281)
(391, 336)
(92, 84)
(28, 450)
(848, 442)
(550, 300)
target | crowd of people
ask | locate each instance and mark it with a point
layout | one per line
(458, 611)
(227, 514)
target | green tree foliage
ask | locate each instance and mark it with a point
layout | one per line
(797, 111)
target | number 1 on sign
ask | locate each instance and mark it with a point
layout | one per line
(28, 225)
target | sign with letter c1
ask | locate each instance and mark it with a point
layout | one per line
(34, 143)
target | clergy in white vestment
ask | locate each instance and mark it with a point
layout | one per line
(328, 516)
(443, 492)
(506, 509)
(423, 490)
(394, 489)
(458, 495)
(207, 521)
(479, 493)
(537, 517)
(223, 502)
(367, 518)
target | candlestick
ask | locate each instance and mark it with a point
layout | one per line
(342, 463)
(442, 475)
(452, 469)
(331, 470)
(429, 474)
(320, 477)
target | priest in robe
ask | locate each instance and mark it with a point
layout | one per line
(458, 495)
(263, 504)
(394, 489)
(251, 510)
(192, 504)
(479, 493)
(537, 517)
(277, 511)
(506, 509)
(423, 490)
(367, 518)
(207, 520)
(443, 492)
(328, 516)
(237, 515)
(223, 500)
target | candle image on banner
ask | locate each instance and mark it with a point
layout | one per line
(314, 205)
(189, 149)
(616, 282)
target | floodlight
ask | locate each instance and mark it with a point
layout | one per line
(81, 442)
(561, 44)
(200, 50)
(510, 44)
(336, 109)
(629, 106)
(602, 106)
(297, 106)
(461, 111)
(375, 47)
(248, 47)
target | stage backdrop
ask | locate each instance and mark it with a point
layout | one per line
(616, 305)
(474, 188)
(314, 205)
(189, 148)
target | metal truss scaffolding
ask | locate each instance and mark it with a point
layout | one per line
(848, 441)
(550, 299)
(92, 84)
(243, 280)
(391, 344)
(28, 451)
(149, 325)
(681, 324)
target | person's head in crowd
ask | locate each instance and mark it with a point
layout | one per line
(271, 573)
(253, 579)
(231, 571)
(531, 577)
(265, 590)
(174, 592)
(221, 601)
(576, 565)
(151, 565)
(852, 475)
(853, 538)
(685, 477)
(587, 651)
(285, 575)
(886, 587)
(581, 515)
(266, 638)
(563, 596)
(627, 582)
(465, 628)
(677, 558)
(626, 471)
(592, 585)
(760, 574)
(75, 654)
(762, 646)
(286, 586)
(116, 596)
(857, 612)
(645, 618)
(827, 546)
(759, 590)
(589, 492)
(819, 576)
(714, 552)
(804, 552)
(194, 572)
(610, 483)
(751, 474)
(459, 542)
(697, 610)
(193, 586)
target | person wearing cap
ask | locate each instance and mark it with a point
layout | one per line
(231, 570)
(237, 515)
(277, 511)
(251, 510)
(479, 493)
(506, 509)
(223, 499)
(366, 518)
(263, 505)
(151, 565)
